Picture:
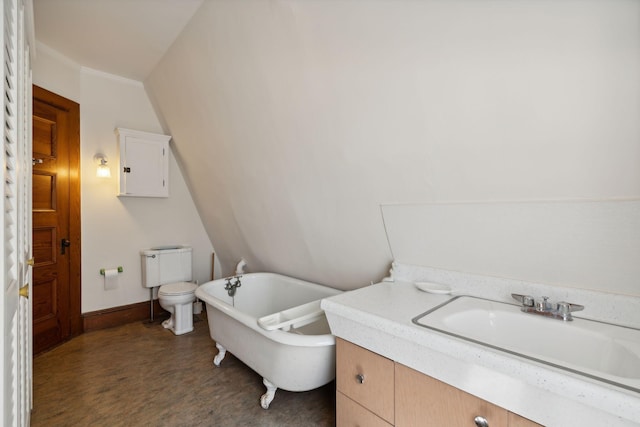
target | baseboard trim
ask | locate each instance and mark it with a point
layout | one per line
(116, 316)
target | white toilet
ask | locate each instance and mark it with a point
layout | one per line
(170, 268)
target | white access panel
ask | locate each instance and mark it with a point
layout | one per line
(144, 164)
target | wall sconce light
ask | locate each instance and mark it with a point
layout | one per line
(103, 171)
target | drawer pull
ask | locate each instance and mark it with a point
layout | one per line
(360, 378)
(481, 421)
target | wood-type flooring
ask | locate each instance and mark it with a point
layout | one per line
(140, 374)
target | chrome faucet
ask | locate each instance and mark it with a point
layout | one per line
(232, 285)
(542, 306)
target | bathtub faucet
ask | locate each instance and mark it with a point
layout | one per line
(232, 284)
(240, 267)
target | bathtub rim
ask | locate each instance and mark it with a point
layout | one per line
(287, 338)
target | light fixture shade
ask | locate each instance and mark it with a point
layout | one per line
(103, 171)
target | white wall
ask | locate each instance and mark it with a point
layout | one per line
(115, 229)
(297, 119)
(582, 244)
(57, 73)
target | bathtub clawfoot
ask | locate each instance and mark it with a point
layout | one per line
(217, 360)
(265, 399)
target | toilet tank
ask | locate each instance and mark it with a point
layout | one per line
(166, 265)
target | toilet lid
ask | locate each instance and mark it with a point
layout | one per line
(180, 288)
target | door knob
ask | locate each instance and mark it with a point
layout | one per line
(64, 244)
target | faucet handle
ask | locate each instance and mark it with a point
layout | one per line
(525, 300)
(566, 308)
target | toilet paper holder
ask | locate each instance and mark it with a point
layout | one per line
(120, 270)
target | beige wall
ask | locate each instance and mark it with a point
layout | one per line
(115, 229)
(297, 119)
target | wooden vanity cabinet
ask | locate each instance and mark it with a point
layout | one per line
(364, 384)
(350, 413)
(375, 391)
(516, 420)
(425, 401)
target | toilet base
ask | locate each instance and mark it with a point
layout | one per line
(168, 324)
(181, 320)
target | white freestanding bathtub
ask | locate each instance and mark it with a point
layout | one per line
(274, 324)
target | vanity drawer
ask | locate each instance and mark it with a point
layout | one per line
(351, 414)
(365, 377)
(422, 400)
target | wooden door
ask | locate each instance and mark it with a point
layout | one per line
(56, 219)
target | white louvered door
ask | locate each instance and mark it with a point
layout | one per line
(16, 208)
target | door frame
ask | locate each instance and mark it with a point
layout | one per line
(75, 281)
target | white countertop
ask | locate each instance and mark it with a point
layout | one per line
(378, 317)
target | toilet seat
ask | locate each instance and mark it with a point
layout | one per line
(176, 289)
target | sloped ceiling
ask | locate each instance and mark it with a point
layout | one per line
(295, 120)
(125, 38)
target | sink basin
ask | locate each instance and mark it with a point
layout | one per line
(598, 350)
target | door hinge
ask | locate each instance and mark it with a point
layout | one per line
(126, 170)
